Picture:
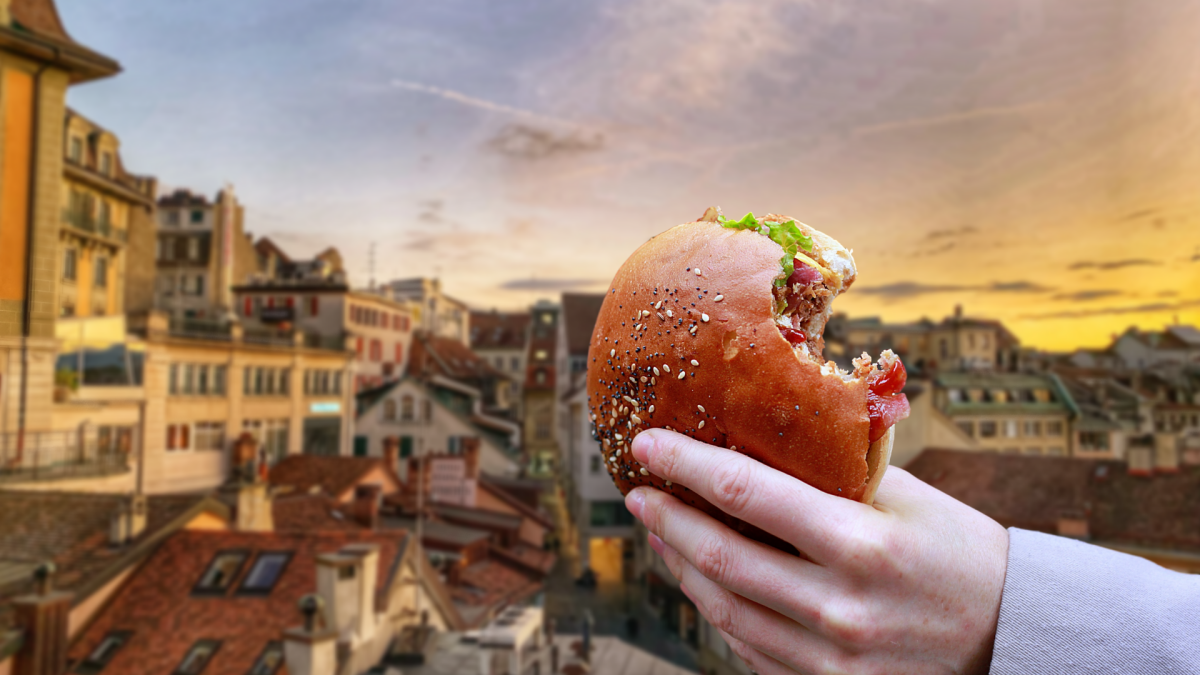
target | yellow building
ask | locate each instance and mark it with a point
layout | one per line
(38, 61)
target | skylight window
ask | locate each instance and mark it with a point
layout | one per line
(221, 572)
(197, 658)
(265, 572)
(269, 660)
(104, 652)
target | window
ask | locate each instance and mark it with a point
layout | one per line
(172, 218)
(105, 651)
(407, 409)
(541, 355)
(178, 437)
(68, 273)
(106, 163)
(376, 350)
(1033, 450)
(540, 377)
(595, 464)
(499, 361)
(269, 660)
(193, 248)
(314, 305)
(258, 381)
(265, 571)
(541, 426)
(987, 429)
(189, 379)
(105, 215)
(389, 410)
(515, 364)
(198, 657)
(399, 353)
(1033, 428)
(610, 513)
(75, 153)
(968, 427)
(221, 572)
(209, 436)
(427, 410)
(173, 379)
(168, 248)
(955, 395)
(197, 217)
(358, 348)
(101, 278)
(1010, 428)
(1054, 428)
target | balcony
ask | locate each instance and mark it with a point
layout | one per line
(56, 455)
(86, 222)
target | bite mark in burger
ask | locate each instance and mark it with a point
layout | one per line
(731, 315)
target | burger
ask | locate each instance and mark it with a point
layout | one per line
(714, 329)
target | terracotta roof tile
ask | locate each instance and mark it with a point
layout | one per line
(333, 475)
(166, 619)
(312, 513)
(499, 330)
(436, 355)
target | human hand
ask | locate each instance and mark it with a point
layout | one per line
(909, 585)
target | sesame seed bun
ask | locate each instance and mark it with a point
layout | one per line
(717, 369)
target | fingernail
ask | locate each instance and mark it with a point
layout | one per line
(635, 501)
(656, 543)
(641, 447)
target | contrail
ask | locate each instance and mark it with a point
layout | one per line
(482, 103)
(950, 118)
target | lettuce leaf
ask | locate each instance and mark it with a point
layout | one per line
(787, 235)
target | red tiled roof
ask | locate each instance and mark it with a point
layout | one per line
(529, 558)
(499, 330)
(435, 355)
(493, 582)
(39, 16)
(72, 530)
(166, 619)
(487, 483)
(1032, 492)
(334, 475)
(311, 513)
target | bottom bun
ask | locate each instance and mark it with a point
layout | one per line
(878, 456)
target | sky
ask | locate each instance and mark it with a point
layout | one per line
(1034, 161)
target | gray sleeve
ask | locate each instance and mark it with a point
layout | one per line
(1069, 607)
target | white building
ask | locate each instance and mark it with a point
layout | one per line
(434, 311)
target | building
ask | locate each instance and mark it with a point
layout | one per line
(1149, 512)
(926, 426)
(502, 339)
(274, 264)
(107, 218)
(957, 343)
(441, 358)
(1009, 412)
(203, 253)
(540, 407)
(1175, 345)
(377, 329)
(38, 62)
(434, 311)
(337, 478)
(434, 415)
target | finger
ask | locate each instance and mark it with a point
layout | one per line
(750, 491)
(786, 584)
(755, 660)
(770, 633)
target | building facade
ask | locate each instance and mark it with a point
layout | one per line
(540, 392)
(502, 338)
(1009, 412)
(433, 310)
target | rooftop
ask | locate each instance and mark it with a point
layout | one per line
(499, 330)
(458, 654)
(435, 355)
(333, 476)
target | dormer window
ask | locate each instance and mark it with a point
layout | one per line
(197, 658)
(269, 660)
(106, 163)
(75, 150)
(221, 572)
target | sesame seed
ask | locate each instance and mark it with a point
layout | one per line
(637, 326)
(636, 419)
(692, 329)
(700, 408)
(650, 409)
(656, 372)
(695, 362)
(670, 313)
(704, 317)
(698, 271)
(701, 425)
(658, 305)
(643, 471)
(682, 375)
(645, 312)
(718, 298)
(652, 381)
(733, 447)
(666, 368)
(618, 436)
(667, 483)
(612, 353)
(631, 474)
(644, 378)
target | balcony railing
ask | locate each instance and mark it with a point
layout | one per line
(63, 454)
(86, 222)
(201, 329)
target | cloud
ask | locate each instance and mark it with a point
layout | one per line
(1167, 294)
(1084, 296)
(521, 141)
(942, 234)
(1113, 264)
(1138, 214)
(1112, 311)
(480, 103)
(952, 118)
(549, 284)
(902, 289)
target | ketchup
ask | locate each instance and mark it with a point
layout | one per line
(885, 404)
(793, 336)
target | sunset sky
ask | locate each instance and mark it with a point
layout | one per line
(1035, 161)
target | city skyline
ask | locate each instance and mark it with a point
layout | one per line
(1030, 162)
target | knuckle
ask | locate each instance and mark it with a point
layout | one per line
(665, 460)
(714, 557)
(723, 611)
(731, 486)
(848, 623)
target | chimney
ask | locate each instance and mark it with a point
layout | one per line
(1166, 453)
(242, 461)
(129, 520)
(470, 451)
(367, 500)
(958, 313)
(348, 577)
(42, 616)
(311, 649)
(254, 508)
(391, 454)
